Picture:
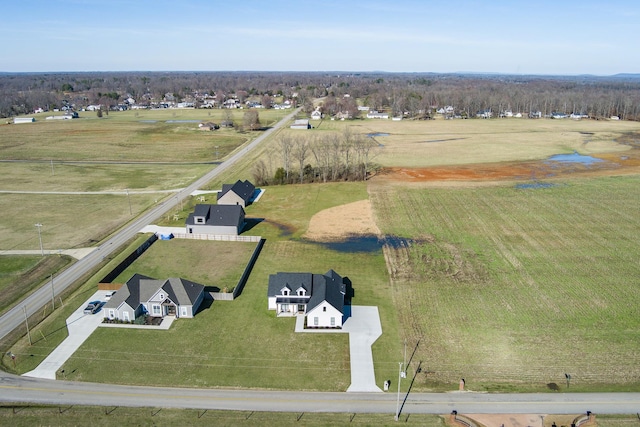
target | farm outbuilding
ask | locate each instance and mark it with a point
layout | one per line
(23, 120)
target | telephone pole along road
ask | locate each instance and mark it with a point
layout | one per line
(15, 317)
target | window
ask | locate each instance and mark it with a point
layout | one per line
(183, 311)
(112, 313)
(333, 321)
(125, 316)
(324, 309)
(155, 309)
(285, 292)
(284, 308)
(300, 292)
(200, 220)
(161, 296)
(315, 321)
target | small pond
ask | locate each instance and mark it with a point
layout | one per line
(574, 158)
(376, 134)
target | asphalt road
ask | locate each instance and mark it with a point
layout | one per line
(33, 390)
(34, 302)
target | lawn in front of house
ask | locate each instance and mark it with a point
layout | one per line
(241, 343)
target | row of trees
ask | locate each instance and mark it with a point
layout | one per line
(397, 93)
(318, 158)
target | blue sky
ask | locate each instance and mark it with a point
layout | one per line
(515, 37)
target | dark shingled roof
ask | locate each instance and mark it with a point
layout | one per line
(328, 287)
(220, 215)
(243, 189)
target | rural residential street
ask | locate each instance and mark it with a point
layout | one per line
(34, 390)
(34, 302)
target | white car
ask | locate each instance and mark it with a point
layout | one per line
(108, 296)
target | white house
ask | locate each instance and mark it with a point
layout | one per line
(316, 114)
(301, 124)
(240, 193)
(319, 297)
(377, 115)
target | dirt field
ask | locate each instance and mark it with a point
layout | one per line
(611, 164)
(352, 219)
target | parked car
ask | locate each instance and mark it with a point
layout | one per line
(92, 307)
(108, 296)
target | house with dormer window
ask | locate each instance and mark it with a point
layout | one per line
(319, 297)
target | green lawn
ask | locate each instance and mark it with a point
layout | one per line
(511, 289)
(30, 415)
(19, 275)
(241, 343)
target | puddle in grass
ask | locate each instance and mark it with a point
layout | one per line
(535, 185)
(377, 134)
(367, 243)
(574, 158)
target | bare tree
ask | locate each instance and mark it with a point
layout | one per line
(286, 145)
(300, 153)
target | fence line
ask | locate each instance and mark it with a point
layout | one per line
(218, 237)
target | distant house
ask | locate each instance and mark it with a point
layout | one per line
(301, 124)
(484, 114)
(239, 193)
(208, 126)
(66, 116)
(319, 297)
(316, 114)
(226, 123)
(216, 219)
(158, 298)
(376, 115)
(23, 120)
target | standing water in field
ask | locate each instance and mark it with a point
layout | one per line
(574, 158)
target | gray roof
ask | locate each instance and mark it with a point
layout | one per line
(141, 288)
(329, 287)
(291, 280)
(244, 190)
(217, 215)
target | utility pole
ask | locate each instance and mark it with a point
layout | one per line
(39, 226)
(26, 322)
(397, 417)
(53, 294)
(129, 200)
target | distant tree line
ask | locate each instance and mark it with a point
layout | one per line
(317, 158)
(413, 95)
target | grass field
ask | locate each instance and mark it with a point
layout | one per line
(27, 416)
(19, 275)
(455, 142)
(511, 289)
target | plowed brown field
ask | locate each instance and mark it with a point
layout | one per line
(612, 164)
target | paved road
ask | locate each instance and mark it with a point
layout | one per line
(34, 302)
(34, 390)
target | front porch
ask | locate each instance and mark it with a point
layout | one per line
(291, 307)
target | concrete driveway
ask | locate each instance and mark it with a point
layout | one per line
(364, 328)
(80, 326)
